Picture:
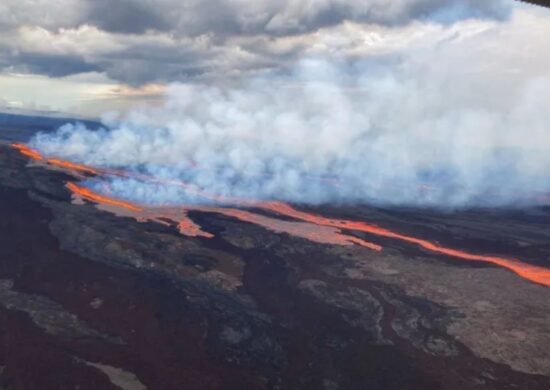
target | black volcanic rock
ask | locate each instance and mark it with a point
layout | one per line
(105, 299)
(47, 314)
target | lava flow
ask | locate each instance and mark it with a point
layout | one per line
(70, 165)
(90, 195)
(533, 273)
(310, 231)
(312, 227)
(187, 227)
(36, 155)
(26, 151)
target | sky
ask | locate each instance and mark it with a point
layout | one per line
(90, 56)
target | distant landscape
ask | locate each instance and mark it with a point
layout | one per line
(19, 127)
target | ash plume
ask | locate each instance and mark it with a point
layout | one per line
(461, 120)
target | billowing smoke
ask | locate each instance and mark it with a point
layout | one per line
(459, 120)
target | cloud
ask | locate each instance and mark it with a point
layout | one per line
(129, 58)
(128, 16)
(52, 14)
(228, 17)
(52, 65)
(143, 41)
(242, 17)
(440, 119)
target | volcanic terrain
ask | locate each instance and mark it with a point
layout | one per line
(99, 293)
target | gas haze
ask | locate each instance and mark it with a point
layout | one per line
(454, 118)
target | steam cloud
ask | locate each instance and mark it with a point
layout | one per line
(458, 122)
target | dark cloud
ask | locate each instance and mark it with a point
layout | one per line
(227, 17)
(139, 41)
(276, 17)
(125, 16)
(56, 65)
(137, 71)
(48, 64)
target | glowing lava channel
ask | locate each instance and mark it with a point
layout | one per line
(26, 151)
(310, 228)
(35, 155)
(309, 231)
(533, 273)
(94, 197)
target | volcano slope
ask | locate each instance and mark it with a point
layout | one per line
(95, 297)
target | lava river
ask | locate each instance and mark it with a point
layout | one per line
(303, 224)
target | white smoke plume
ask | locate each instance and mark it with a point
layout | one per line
(457, 120)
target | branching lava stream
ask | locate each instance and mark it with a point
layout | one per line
(306, 225)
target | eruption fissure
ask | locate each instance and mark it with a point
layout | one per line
(310, 226)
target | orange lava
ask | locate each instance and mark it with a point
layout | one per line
(90, 195)
(189, 228)
(185, 225)
(29, 152)
(533, 273)
(69, 165)
(309, 231)
(36, 155)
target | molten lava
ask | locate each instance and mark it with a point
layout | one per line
(312, 232)
(69, 165)
(94, 197)
(312, 227)
(26, 151)
(309, 231)
(36, 155)
(187, 227)
(533, 273)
